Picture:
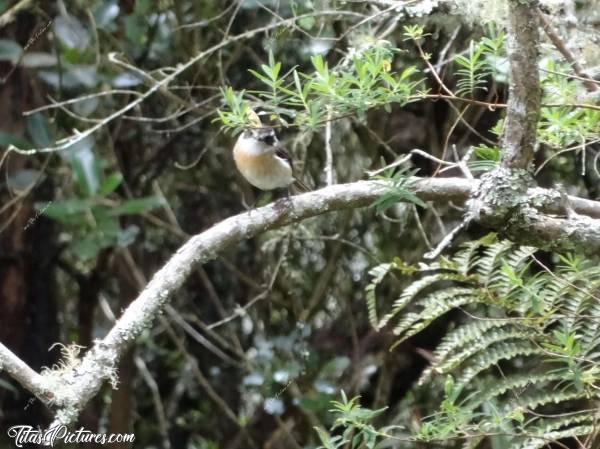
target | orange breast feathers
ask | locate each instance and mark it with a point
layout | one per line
(254, 164)
(263, 170)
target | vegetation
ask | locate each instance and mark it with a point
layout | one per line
(458, 310)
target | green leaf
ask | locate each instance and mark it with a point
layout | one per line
(39, 130)
(326, 440)
(407, 72)
(110, 184)
(136, 28)
(307, 23)
(7, 139)
(10, 51)
(261, 77)
(88, 247)
(65, 210)
(85, 166)
(399, 190)
(71, 32)
(136, 206)
(318, 64)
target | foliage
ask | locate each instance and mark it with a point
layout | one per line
(288, 333)
(90, 213)
(525, 359)
(362, 80)
(562, 127)
(399, 189)
(483, 60)
(356, 421)
(487, 158)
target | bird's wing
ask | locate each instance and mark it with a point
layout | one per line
(283, 153)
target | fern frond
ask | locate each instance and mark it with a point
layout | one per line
(466, 257)
(520, 256)
(494, 387)
(533, 320)
(377, 274)
(473, 72)
(517, 260)
(486, 340)
(434, 306)
(417, 287)
(547, 425)
(459, 337)
(502, 351)
(544, 440)
(547, 396)
(467, 333)
(591, 330)
(491, 261)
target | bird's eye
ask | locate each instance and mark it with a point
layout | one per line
(269, 139)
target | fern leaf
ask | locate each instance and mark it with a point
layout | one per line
(377, 274)
(462, 336)
(545, 439)
(502, 351)
(414, 289)
(464, 258)
(535, 400)
(491, 261)
(432, 307)
(494, 387)
(481, 345)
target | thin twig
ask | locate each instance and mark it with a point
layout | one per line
(10, 15)
(328, 151)
(589, 83)
(447, 240)
(78, 136)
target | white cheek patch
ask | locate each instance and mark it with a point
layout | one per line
(253, 146)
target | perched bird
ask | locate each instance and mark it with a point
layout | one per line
(263, 161)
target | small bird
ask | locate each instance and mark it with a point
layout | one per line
(263, 160)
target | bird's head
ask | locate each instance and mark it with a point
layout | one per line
(258, 140)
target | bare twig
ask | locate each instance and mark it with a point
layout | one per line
(589, 83)
(10, 15)
(239, 311)
(447, 240)
(197, 336)
(162, 84)
(328, 150)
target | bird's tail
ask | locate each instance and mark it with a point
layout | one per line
(301, 186)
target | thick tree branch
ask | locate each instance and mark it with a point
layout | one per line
(22, 373)
(99, 364)
(504, 192)
(520, 125)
